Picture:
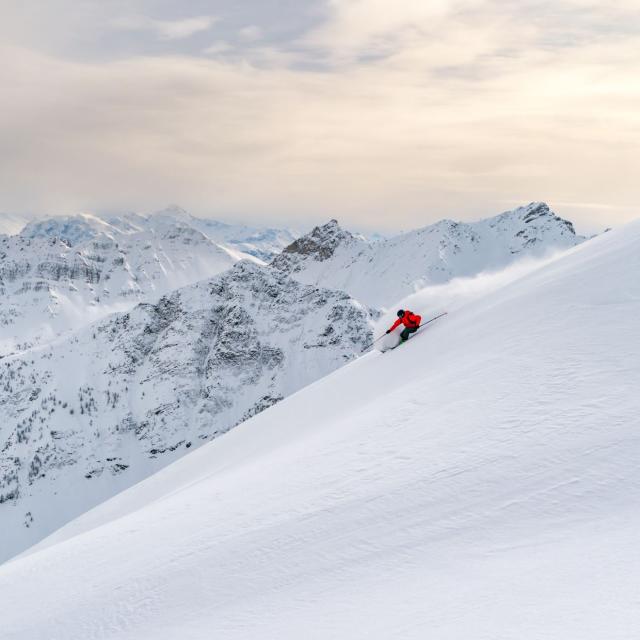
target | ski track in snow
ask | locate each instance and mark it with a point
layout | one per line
(481, 482)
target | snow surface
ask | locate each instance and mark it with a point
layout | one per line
(480, 482)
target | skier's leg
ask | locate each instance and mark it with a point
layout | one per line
(404, 336)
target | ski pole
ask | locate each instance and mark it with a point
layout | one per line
(371, 345)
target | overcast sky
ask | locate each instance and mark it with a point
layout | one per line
(384, 114)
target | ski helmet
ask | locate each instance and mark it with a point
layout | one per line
(400, 313)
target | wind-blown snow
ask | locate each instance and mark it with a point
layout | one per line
(451, 296)
(480, 482)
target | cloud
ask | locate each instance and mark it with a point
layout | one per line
(385, 117)
(250, 33)
(357, 26)
(218, 47)
(166, 29)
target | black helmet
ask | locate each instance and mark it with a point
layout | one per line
(400, 313)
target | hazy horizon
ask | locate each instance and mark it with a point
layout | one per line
(302, 226)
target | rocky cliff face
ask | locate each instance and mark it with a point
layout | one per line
(318, 245)
(380, 273)
(87, 416)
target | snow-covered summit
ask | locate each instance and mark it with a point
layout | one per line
(72, 230)
(319, 244)
(380, 273)
(261, 242)
(534, 222)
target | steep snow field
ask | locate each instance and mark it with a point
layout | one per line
(480, 482)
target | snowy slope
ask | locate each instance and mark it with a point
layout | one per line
(263, 243)
(380, 273)
(481, 482)
(92, 414)
(62, 273)
(11, 223)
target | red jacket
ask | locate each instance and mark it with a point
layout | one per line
(408, 320)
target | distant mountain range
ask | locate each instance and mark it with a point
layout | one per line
(59, 273)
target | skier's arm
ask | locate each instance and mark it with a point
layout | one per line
(397, 323)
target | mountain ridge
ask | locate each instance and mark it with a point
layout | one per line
(380, 273)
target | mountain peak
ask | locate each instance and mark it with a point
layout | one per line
(539, 213)
(72, 229)
(174, 211)
(321, 242)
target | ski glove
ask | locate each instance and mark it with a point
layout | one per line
(388, 330)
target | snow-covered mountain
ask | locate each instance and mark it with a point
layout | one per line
(91, 414)
(61, 273)
(263, 243)
(11, 223)
(380, 273)
(481, 482)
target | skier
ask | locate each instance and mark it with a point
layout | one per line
(411, 322)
